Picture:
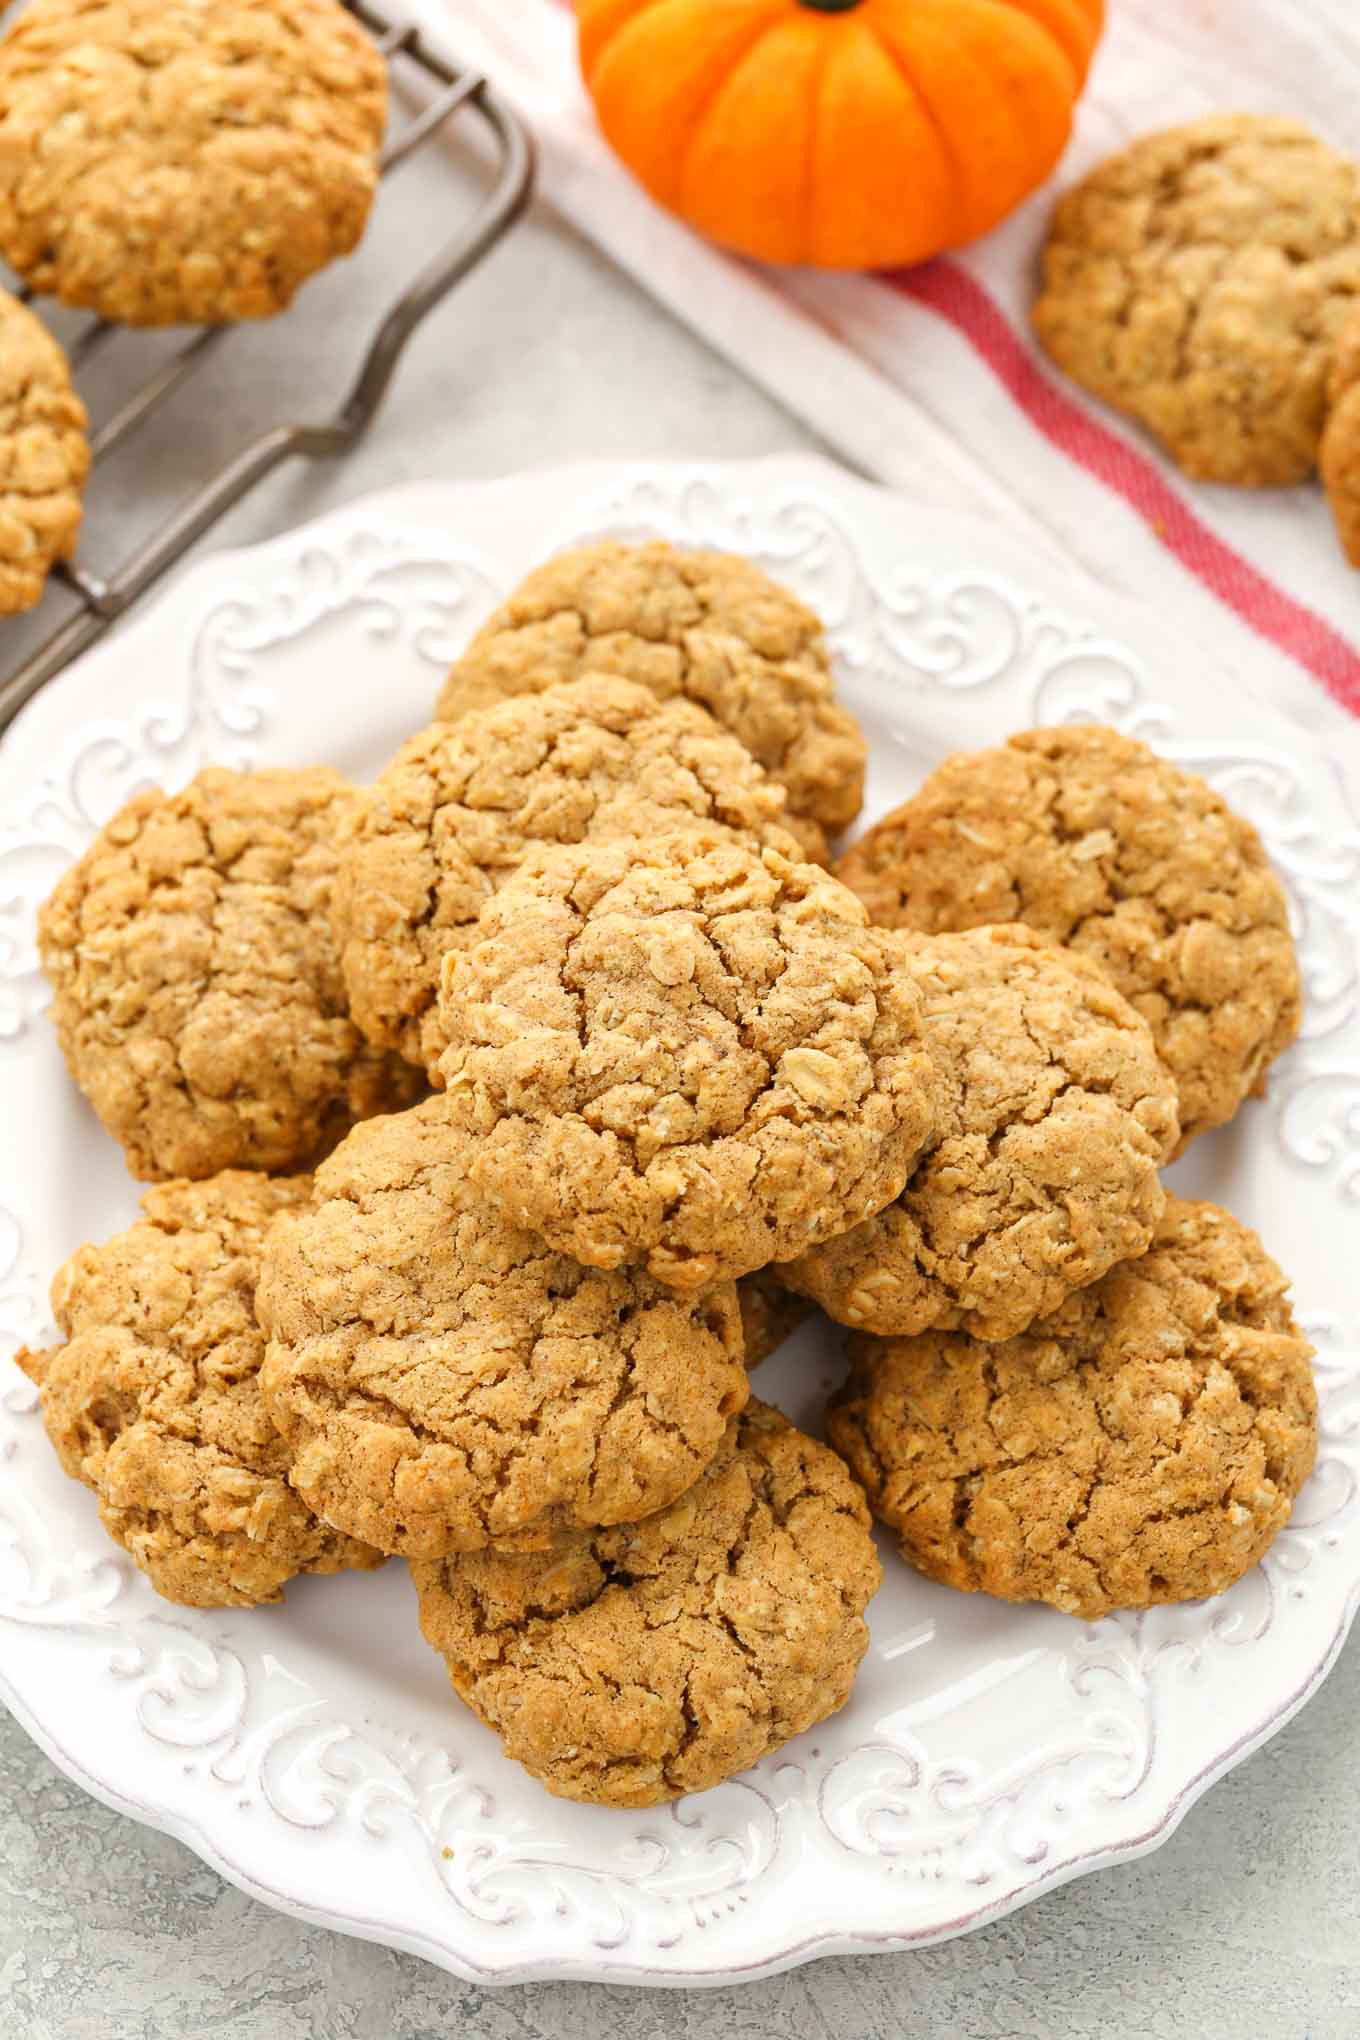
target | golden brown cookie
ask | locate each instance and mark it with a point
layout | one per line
(770, 1313)
(684, 1053)
(635, 1664)
(1340, 457)
(196, 981)
(1054, 1114)
(447, 1383)
(44, 457)
(451, 817)
(154, 1400)
(1143, 1444)
(703, 624)
(1099, 844)
(1198, 280)
(167, 162)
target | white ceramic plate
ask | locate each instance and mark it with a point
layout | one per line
(314, 1753)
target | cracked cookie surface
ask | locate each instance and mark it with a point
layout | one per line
(1340, 458)
(684, 1053)
(1054, 1114)
(1091, 839)
(460, 805)
(44, 457)
(197, 988)
(635, 1664)
(707, 625)
(1144, 1444)
(448, 1383)
(1198, 281)
(166, 162)
(154, 1399)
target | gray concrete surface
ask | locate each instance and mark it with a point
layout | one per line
(1247, 1922)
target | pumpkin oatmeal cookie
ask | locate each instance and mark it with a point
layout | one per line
(684, 1053)
(1143, 1444)
(706, 625)
(154, 1399)
(197, 987)
(166, 162)
(1198, 281)
(44, 457)
(447, 1383)
(1054, 1114)
(635, 1664)
(770, 1313)
(458, 807)
(1098, 844)
(1340, 457)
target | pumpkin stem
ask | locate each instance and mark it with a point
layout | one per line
(829, 6)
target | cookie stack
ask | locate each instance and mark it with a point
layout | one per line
(682, 1085)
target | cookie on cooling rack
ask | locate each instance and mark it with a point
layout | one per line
(635, 1664)
(1198, 280)
(44, 457)
(163, 162)
(1144, 1444)
(196, 982)
(460, 804)
(707, 625)
(448, 1383)
(1054, 1115)
(154, 1399)
(1097, 843)
(684, 1054)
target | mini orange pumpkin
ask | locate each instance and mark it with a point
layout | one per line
(852, 134)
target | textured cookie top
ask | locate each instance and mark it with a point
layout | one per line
(1143, 1444)
(703, 624)
(167, 161)
(635, 1664)
(447, 1382)
(1097, 843)
(1198, 281)
(454, 813)
(1339, 460)
(1054, 1114)
(154, 1401)
(684, 1053)
(44, 456)
(197, 983)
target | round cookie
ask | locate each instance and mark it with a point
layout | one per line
(1054, 1114)
(635, 1664)
(1100, 845)
(770, 1314)
(1143, 1444)
(446, 1382)
(1339, 460)
(44, 457)
(154, 1400)
(1198, 280)
(165, 162)
(458, 807)
(684, 1053)
(703, 624)
(197, 987)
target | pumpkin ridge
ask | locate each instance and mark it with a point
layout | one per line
(701, 118)
(1080, 64)
(932, 119)
(810, 154)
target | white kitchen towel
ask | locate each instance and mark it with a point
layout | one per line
(928, 379)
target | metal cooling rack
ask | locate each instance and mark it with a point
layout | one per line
(103, 598)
